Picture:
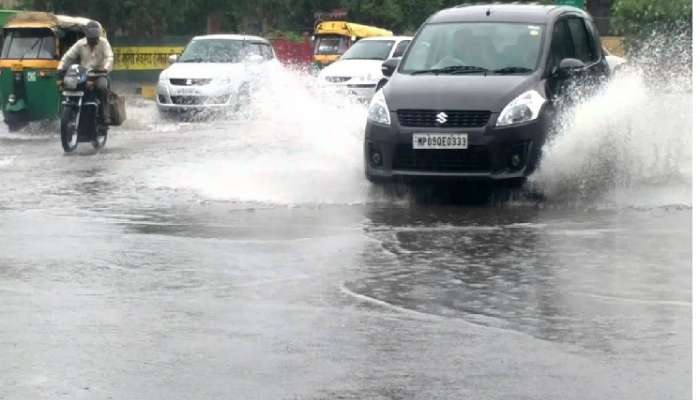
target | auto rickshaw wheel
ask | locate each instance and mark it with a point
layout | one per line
(15, 121)
(69, 131)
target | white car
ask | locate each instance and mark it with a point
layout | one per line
(360, 68)
(214, 73)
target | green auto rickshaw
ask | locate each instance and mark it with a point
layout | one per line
(33, 44)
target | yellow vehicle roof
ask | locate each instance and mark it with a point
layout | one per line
(47, 20)
(350, 29)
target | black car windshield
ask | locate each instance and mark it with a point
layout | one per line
(29, 44)
(369, 50)
(508, 48)
(213, 51)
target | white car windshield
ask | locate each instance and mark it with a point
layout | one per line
(369, 50)
(213, 51)
(505, 47)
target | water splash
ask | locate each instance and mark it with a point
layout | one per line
(7, 161)
(296, 143)
(630, 145)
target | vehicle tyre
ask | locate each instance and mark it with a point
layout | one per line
(373, 179)
(514, 183)
(100, 140)
(15, 122)
(69, 131)
(165, 115)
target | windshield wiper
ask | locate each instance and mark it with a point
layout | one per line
(453, 70)
(512, 70)
(192, 60)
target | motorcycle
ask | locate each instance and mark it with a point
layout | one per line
(81, 110)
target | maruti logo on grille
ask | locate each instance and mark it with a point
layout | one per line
(189, 82)
(441, 118)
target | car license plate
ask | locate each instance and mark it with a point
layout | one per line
(423, 141)
(185, 92)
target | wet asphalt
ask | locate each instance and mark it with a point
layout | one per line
(124, 276)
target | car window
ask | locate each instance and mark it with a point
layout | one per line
(254, 49)
(487, 45)
(29, 44)
(562, 44)
(331, 45)
(401, 48)
(592, 34)
(267, 51)
(581, 39)
(369, 50)
(212, 51)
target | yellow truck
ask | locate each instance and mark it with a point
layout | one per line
(333, 38)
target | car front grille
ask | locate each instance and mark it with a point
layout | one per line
(199, 100)
(472, 159)
(190, 82)
(449, 119)
(338, 79)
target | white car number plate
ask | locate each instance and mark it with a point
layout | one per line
(423, 141)
(187, 91)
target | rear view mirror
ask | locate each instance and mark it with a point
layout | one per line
(389, 66)
(172, 59)
(568, 66)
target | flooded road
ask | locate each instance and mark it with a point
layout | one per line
(250, 259)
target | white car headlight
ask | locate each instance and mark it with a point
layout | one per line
(162, 77)
(523, 108)
(378, 110)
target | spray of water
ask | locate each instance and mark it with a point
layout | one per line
(296, 143)
(630, 145)
(299, 143)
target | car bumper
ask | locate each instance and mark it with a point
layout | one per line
(168, 99)
(361, 91)
(491, 153)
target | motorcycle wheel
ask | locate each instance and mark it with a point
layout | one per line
(101, 139)
(69, 131)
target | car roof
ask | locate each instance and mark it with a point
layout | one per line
(250, 38)
(395, 38)
(523, 13)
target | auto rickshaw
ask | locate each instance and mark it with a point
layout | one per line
(333, 38)
(33, 44)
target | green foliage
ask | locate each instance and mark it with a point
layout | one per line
(641, 17)
(153, 18)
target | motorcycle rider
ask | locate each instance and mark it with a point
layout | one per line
(94, 53)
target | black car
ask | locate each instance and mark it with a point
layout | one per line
(478, 90)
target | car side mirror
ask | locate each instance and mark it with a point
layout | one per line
(172, 59)
(389, 66)
(568, 67)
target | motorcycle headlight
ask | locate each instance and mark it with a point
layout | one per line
(70, 82)
(523, 108)
(378, 110)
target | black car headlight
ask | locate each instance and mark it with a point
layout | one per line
(524, 108)
(378, 111)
